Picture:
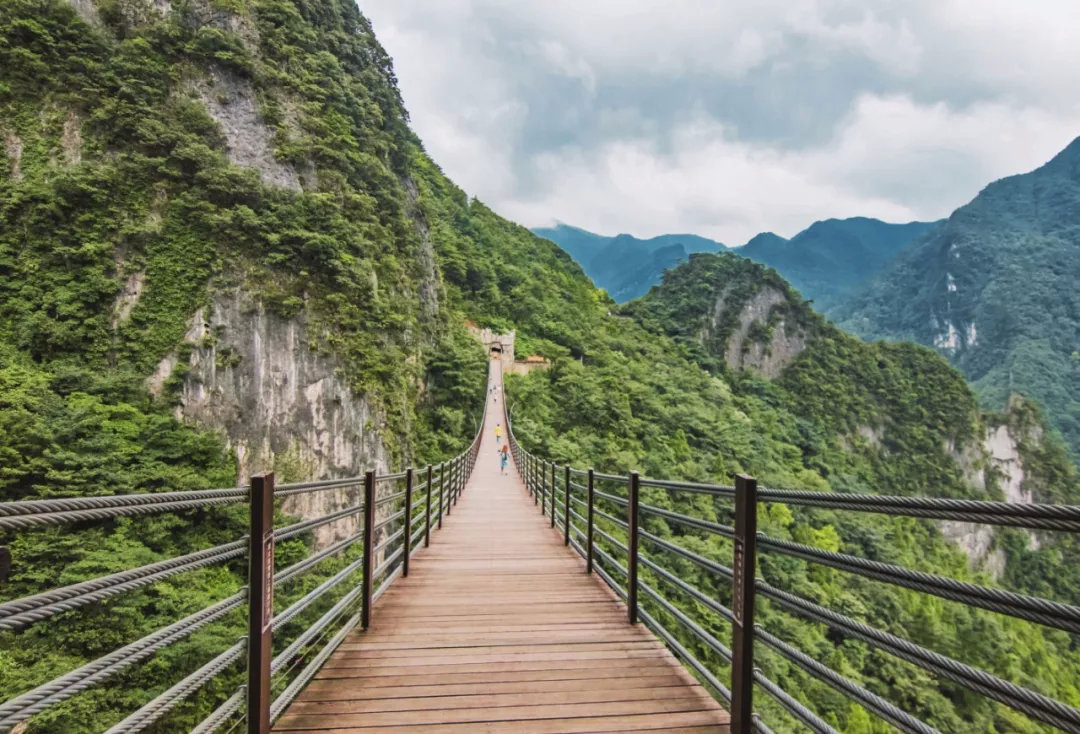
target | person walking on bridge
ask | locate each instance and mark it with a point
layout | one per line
(504, 458)
(498, 433)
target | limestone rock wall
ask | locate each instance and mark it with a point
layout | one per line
(281, 405)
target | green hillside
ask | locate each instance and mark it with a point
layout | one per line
(626, 266)
(994, 289)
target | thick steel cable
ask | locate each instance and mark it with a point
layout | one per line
(618, 521)
(1022, 699)
(687, 588)
(232, 704)
(389, 498)
(389, 539)
(20, 522)
(689, 555)
(724, 530)
(288, 490)
(390, 578)
(614, 541)
(698, 631)
(1035, 516)
(873, 703)
(21, 612)
(298, 606)
(303, 566)
(313, 631)
(59, 689)
(716, 490)
(75, 504)
(308, 672)
(1022, 606)
(165, 702)
(599, 569)
(794, 707)
(611, 497)
(678, 648)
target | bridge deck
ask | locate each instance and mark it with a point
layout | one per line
(498, 628)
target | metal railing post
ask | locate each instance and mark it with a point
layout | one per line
(408, 522)
(260, 602)
(566, 506)
(743, 568)
(450, 488)
(427, 514)
(542, 487)
(532, 479)
(442, 489)
(369, 544)
(589, 528)
(632, 547)
(553, 466)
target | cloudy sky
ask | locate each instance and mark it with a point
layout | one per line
(729, 118)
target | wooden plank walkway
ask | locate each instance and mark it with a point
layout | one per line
(498, 629)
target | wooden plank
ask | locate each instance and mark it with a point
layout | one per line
(498, 629)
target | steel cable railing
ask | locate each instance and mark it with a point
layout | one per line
(552, 493)
(407, 525)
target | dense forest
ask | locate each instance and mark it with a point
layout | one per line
(994, 289)
(842, 416)
(120, 170)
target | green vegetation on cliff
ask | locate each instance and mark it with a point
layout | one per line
(655, 394)
(994, 289)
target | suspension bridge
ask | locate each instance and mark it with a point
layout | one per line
(539, 599)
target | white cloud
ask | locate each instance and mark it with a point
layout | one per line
(728, 119)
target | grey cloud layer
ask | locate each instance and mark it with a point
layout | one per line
(730, 118)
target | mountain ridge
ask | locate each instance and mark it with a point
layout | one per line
(825, 261)
(993, 288)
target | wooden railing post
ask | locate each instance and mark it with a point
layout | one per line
(369, 544)
(744, 571)
(589, 527)
(442, 489)
(427, 514)
(260, 602)
(632, 547)
(408, 522)
(566, 506)
(553, 466)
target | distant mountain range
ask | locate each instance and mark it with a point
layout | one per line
(626, 266)
(996, 288)
(830, 259)
(825, 262)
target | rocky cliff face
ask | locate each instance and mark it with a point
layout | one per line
(254, 376)
(998, 458)
(762, 341)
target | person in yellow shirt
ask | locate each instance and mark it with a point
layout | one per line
(498, 433)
